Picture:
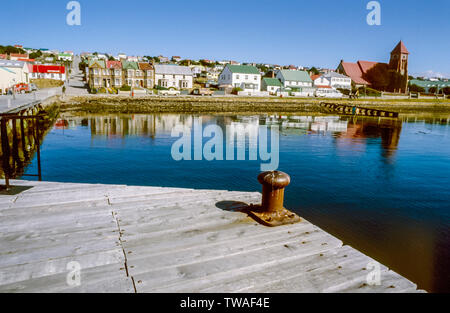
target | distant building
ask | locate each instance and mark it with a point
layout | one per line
(176, 58)
(115, 73)
(65, 57)
(148, 75)
(173, 76)
(17, 56)
(428, 84)
(272, 85)
(163, 59)
(39, 71)
(130, 71)
(248, 78)
(356, 71)
(97, 75)
(11, 73)
(333, 79)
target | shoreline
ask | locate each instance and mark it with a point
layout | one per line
(190, 104)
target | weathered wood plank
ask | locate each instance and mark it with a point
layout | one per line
(173, 240)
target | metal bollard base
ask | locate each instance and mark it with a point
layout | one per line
(272, 218)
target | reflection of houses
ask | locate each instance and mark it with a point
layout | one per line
(323, 124)
(135, 125)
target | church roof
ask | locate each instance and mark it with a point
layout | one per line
(400, 48)
(354, 71)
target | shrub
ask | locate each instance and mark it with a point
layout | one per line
(236, 90)
(125, 88)
(102, 90)
(345, 92)
(416, 88)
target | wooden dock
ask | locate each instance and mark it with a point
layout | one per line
(152, 239)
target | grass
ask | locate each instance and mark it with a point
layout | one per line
(43, 83)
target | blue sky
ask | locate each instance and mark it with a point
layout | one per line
(300, 32)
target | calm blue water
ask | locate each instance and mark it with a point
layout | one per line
(381, 186)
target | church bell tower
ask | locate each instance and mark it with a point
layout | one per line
(399, 59)
(399, 62)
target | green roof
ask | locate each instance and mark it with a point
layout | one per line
(272, 82)
(127, 65)
(100, 63)
(429, 83)
(299, 76)
(243, 69)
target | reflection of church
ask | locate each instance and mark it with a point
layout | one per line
(361, 129)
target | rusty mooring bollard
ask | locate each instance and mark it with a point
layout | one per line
(271, 211)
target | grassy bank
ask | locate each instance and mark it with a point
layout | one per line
(116, 104)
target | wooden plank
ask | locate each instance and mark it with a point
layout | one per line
(174, 240)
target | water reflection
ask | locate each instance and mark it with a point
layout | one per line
(380, 185)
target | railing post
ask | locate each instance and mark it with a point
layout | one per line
(5, 150)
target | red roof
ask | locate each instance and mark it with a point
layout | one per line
(327, 87)
(114, 64)
(44, 69)
(26, 60)
(3, 56)
(314, 77)
(19, 55)
(400, 48)
(366, 65)
(354, 72)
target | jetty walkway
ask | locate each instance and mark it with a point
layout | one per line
(153, 239)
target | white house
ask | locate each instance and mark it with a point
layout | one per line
(334, 80)
(43, 71)
(299, 82)
(173, 76)
(272, 85)
(248, 78)
(65, 57)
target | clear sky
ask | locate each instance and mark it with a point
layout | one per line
(300, 32)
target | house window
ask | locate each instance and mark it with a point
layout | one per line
(256, 78)
(237, 76)
(246, 77)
